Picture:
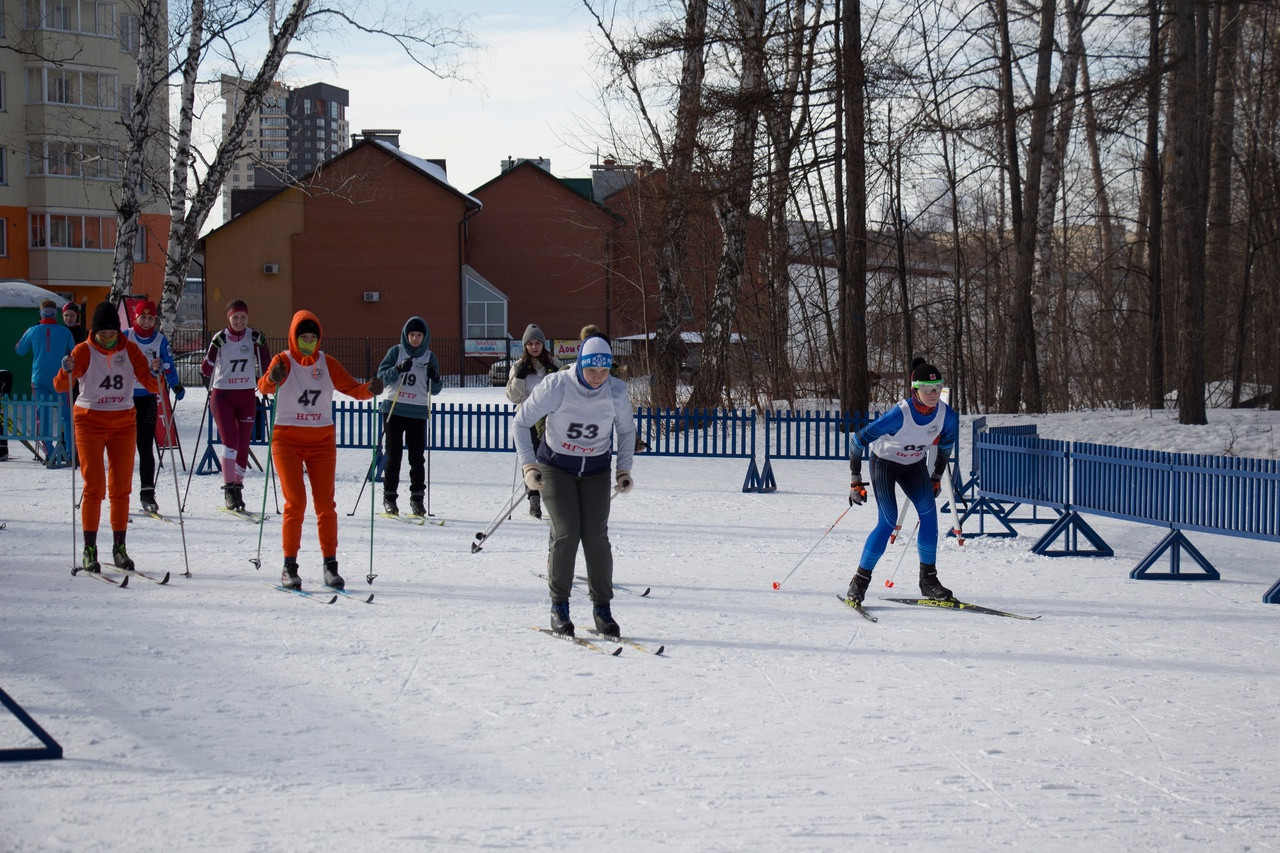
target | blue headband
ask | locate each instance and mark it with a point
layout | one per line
(596, 359)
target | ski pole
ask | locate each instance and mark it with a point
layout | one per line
(74, 562)
(207, 397)
(778, 584)
(164, 397)
(431, 437)
(373, 465)
(888, 582)
(517, 496)
(271, 434)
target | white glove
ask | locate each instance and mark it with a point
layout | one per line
(532, 478)
(624, 482)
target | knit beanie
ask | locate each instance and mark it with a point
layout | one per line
(237, 305)
(532, 333)
(71, 306)
(145, 308)
(415, 324)
(923, 371)
(105, 317)
(308, 327)
(595, 352)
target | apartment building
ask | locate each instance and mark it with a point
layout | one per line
(293, 132)
(67, 70)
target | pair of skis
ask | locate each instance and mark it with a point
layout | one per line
(325, 595)
(613, 651)
(419, 520)
(123, 582)
(951, 604)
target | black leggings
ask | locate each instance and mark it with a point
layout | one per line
(399, 432)
(145, 406)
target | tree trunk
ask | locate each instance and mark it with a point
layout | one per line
(855, 388)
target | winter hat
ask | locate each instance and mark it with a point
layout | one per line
(105, 318)
(924, 373)
(416, 324)
(146, 308)
(595, 352)
(237, 305)
(71, 306)
(308, 327)
(532, 333)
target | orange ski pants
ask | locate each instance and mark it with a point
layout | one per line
(313, 451)
(115, 434)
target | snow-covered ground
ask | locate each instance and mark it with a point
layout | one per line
(217, 714)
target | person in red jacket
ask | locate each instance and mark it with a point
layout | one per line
(303, 380)
(106, 365)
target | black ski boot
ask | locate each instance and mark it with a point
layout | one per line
(389, 505)
(237, 495)
(535, 504)
(148, 498)
(858, 586)
(604, 621)
(415, 506)
(289, 577)
(331, 576)
(120, 557)
(229, 496)
(560, 618)
(929, 585)
(89, 562)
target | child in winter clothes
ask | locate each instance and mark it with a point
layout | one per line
(303, 380)
(237, 358)
(71, 319)
(533, 365)
(153, 345)
(411, 374)
(584, 407)
(48, 344)
(899, 441)
(107, 366)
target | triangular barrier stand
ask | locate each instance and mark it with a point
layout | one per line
(375, 471)
(209, 462)
(1272, 595)
(1175, 543)
(1072, 526)
(984, 507)
(752, 481)
(51, 748)
(767, 482)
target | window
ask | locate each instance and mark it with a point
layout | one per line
(486, 308)
(4, 165)
(75, 88)
(73, 231)
(73, 159)
(130, 33)
(3, 101)
(4, 237)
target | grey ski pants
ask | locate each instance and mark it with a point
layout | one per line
(579, 508)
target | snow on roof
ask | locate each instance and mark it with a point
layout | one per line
(687, 337)
(18, 293)
(426, 167)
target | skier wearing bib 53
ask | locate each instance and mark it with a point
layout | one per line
(899, 441)
(303, 380)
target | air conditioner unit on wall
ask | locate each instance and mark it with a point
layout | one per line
(372, 296)
(270, 269)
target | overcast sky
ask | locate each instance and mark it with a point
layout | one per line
(527, 92)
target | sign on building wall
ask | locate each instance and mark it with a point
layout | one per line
(484, 346)
(565, 350)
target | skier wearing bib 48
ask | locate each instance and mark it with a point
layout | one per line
(303, 380)
(237, 357)
(899, 441)
(584, 407)
(411, 373)
(107, 365)
(153, 345)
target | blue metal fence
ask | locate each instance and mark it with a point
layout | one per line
(32, 421)
(807, 435)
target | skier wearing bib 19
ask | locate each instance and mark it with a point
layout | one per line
(237, 357)
(899, 441)
(411, 374)
(303, 379)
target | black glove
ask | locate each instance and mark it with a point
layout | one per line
(857, 492)
(525, 368)
(278, 373)
(375, 386)
(205, 380)
(405, 366)
(432, 373)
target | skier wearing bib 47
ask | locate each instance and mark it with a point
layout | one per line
(899, 441)
(303, 379)
(411, 373)
(584, 407)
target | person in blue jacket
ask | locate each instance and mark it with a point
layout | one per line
(154, 345)
(411, 373)
(48, 343)
(899, 441)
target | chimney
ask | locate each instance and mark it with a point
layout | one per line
(388, 135)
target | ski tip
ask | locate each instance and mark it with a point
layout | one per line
(124, 581)
(369, 600)
(332, 600)
(616, 652)
(660, 650)
(646, 592)
(164, 580)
